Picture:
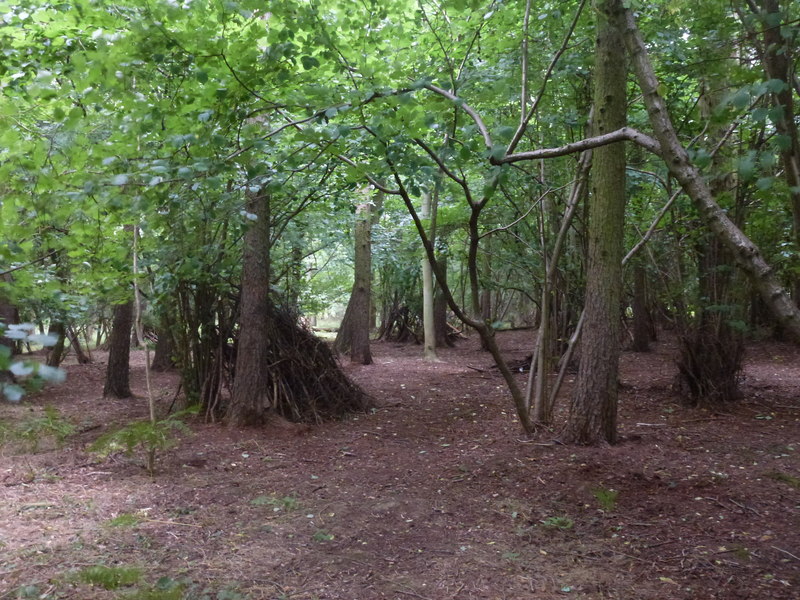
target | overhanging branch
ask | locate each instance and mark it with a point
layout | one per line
(623, 134)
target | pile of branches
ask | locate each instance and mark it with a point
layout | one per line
(400, 325)
(306, 384)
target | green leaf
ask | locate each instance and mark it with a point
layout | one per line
(741, 99)
(309, 62)
(759, 115)
(702, 158)
(783, 142)
(505, 132)
(120, 179)
(12, 392)
(498, 151)
(764, 183)
(776, 86)
(747, 168)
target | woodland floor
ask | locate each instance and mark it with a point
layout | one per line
(435, 495)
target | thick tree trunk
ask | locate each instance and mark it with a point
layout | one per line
(250, 404)
(354, 331)
(163, 358)
(746, 254)
(117, 382)
(593, 413)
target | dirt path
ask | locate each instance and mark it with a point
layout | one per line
(435, 495)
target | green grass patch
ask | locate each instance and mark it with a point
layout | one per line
(606, 498)
(109, 578)
(123, 520)
(562, 523)
(785, 478)
(322, 535)
(285, 503)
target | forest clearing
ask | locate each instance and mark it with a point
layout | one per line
(435, 494)
(433, 299)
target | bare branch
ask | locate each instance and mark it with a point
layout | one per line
(28, 264)
(526, 118)
(651, 230)
(487, 139)
(623, 134)
(459, 180)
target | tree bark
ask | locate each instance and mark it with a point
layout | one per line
(362, 286)
(440, 312)
(250, 403)
(354, 331)
(746, 254)
(593, 413)
(117, 383)
(163, 358)
(428, 323)
(56, 354)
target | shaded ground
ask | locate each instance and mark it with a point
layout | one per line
(435, 495)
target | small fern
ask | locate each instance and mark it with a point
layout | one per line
(50, 425)
(144, 436)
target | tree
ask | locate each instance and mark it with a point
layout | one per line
(117, 383)
(429, 324)
(593, 413)
(354, 330)
(251, 403)
(746, 254)
(776, 52)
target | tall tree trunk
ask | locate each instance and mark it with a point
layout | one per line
(440, 312)
(428, 323)
(593, 414)
(250, 403)
(354, 331)
(746, 254)
(117, 382)
(362, 286)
